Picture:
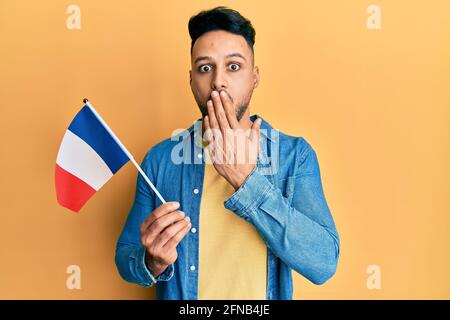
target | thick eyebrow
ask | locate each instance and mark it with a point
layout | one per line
(236, 54)
(201, 58)
(231, 55)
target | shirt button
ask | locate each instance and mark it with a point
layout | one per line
(193, 230)
(199, 156)
(195, 190)
(192, 268)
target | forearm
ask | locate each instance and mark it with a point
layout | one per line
(307, 246)
(130, 261)
(133, 267)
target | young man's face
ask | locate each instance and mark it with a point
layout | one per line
(223, 61)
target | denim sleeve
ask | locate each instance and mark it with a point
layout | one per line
(302, 232)
(130, 253)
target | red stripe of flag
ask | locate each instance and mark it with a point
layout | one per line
(71, 191)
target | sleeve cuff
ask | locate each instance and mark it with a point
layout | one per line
(250, 194)
(147, 275)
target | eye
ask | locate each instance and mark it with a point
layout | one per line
(234, 67)
(205, 68)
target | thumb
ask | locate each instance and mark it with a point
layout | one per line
(255, 130)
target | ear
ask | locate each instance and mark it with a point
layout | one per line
(190, 76)
(256, 76)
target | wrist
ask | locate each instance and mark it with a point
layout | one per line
(240, 178)
(154, 267)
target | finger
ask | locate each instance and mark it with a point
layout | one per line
(159, 225)
(171, 231)
(173, 242)
(253, 150)
(209, 138)
(215, 130)
(216, 153)
(229, 110)
(213, 144)
(159, 212)
(211, 154)
(208, 135)
(220, 112)
(255, 130)
(212, 135)
(212, 115)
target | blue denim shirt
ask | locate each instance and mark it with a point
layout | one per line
(282, 197)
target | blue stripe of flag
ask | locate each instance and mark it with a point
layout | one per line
(86, 126)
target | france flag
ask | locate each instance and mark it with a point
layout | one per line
(89, 155)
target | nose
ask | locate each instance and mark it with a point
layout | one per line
(219, 81)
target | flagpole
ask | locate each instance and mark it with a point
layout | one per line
(129, 155)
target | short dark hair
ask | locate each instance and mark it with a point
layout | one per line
(221, 18)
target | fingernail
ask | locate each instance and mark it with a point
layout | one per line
(223, 94)
(188, 219)
(209, 102)
(176, 205)
(214, 94)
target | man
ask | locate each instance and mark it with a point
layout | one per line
(247, 204)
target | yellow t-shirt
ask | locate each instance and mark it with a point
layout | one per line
(233, 257)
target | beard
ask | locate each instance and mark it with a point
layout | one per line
(240, 110)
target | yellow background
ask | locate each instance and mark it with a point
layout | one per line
(375, 105)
